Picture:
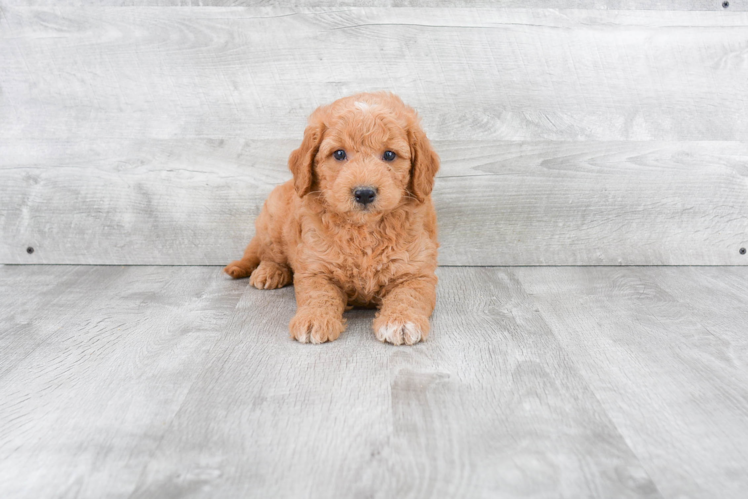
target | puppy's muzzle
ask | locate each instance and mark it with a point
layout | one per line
(364, 195)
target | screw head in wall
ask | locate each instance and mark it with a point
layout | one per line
(30, 250)
(725, 4)
(742, 251)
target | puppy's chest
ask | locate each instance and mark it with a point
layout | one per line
(364, 263)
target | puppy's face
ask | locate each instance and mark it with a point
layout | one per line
(363, 163)
(366, 155)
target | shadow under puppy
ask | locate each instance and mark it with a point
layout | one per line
(356, 226)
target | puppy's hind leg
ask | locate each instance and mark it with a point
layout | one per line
(243, 267)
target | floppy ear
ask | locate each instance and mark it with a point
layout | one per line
(301, 160)
(424, 163)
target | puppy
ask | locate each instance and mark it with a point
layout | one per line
(356, 226)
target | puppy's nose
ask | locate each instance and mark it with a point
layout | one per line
(364, 195)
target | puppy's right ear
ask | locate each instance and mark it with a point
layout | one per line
(301, 160)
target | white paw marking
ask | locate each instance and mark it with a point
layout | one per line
(396, 333)
(303, 337)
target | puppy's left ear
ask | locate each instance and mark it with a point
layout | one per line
(424, 163)
(301, 161)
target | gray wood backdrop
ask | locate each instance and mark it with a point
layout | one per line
(150, 132)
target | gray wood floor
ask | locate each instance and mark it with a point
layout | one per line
(555, 381)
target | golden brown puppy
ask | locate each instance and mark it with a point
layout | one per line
(356, 225)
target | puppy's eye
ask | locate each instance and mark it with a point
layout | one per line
(389, 156)
(339, 155)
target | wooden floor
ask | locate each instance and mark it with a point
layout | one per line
(542, 382)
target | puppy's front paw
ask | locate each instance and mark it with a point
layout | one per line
(316, 326)
(269, 276)
(401, 330)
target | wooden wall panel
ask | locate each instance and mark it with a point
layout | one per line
(500, 203)
(151, 134)
(695, 5)
(473, 73)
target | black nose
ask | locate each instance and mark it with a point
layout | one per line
(364, 195)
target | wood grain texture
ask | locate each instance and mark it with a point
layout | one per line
(499, 203)
(664, 350)
(473, 73)
(36, 304)
(536, 382)
(695, 5)
(362, 419)
(169, 384)
(151, 135)
(81, 414)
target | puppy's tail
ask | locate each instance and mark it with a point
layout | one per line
(243, 268)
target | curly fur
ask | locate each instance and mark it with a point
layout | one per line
(339, 253)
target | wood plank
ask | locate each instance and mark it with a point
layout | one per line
(664, 351)
(322, 4)
(102, 202)
(37, 302)
(275, 416)
(717, 297)
(194, 201)
(488, 406)
(473, 73)
(82, 413)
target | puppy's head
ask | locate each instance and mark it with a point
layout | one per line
(365, 155)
